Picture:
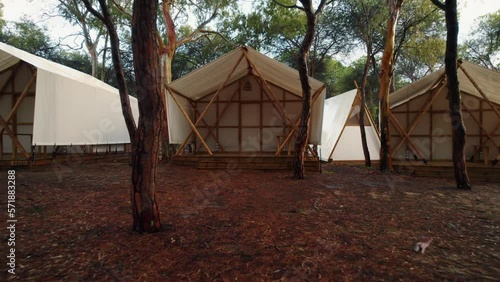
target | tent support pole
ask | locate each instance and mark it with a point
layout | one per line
(19, 101)
(296, 123)
(210, 133)
(208, 106)
(342, 131)
(480, 126)
(404, 136)
(13, 137)
(493, 107)
(420, 115)
(221, 114)
(193, 127)
(271, 94)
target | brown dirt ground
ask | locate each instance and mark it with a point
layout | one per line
(347, 224)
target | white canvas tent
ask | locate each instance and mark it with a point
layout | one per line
(341, 136)
(242, 102)
(420, 122)
(43, 103)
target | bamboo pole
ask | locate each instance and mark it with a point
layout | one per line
(222, 113)
(420, 115)
(13, 137)
(296, 122)
(210, 103)
(193, 127)
(19, 101)
(271, 94)
(399, 128)
(480, 126)
(480, 91)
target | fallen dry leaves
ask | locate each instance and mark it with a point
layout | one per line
(348, 223)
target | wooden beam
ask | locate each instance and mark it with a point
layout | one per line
(13, 137)
(211, 102)
(271, 94)
(19, 101)
(481, 127)
(417, 119)
(222, 113)
(480, 91)
(295, 125)
(402, 132)
(193, 127)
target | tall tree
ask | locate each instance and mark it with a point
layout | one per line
(457, 124)
(92, 30)
(303, 135)
(146, 136)
(366, 18)
(386, 70)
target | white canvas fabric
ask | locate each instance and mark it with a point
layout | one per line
(487, 80)
(341, 142)
(433, 130)
(71, 107)
(209, 78)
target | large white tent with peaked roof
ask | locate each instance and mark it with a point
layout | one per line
(420, 121)
(43, 103)
(242, 102)
(341, 136)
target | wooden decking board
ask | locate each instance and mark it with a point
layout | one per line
(244, 161)
(477, 171)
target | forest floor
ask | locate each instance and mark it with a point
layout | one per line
(347, 224)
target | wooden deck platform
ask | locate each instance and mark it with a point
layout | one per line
(477, 171)
(244, 161)
(7, 163)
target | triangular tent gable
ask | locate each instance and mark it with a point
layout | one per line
(246, 101)
(341, 136)
(420, 122)
(51, 104)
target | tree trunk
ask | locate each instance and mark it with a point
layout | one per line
(303, 134)
(146, 217)
(458, 128)
(93, 59)
(362, 95)
(386, 70)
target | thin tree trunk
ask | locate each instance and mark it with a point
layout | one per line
(303, 134)
(148, 82)
(458, 128)
(104, 53)
(362, 95)
(386, 70)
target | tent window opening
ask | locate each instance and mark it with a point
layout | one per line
(247, 86)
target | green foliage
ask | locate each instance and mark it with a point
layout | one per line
(421, 40)
(28, 36)
(484, 46)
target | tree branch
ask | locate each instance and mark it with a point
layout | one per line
(439, 4)
(288, 6)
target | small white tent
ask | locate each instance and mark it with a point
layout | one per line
(43, 103)
(242, 102)
(341, 136)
